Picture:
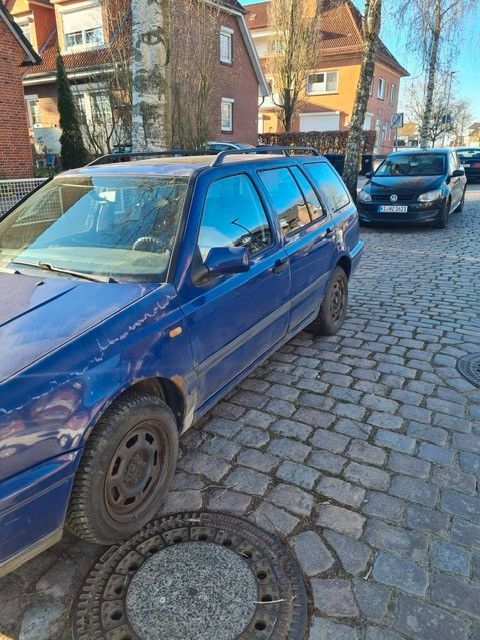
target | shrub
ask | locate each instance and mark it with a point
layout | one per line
(73, 153)
(323, 141)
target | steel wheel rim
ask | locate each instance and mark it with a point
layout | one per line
(135, 472)
(338, 300)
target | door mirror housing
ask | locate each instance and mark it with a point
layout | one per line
(227, 260)
(369, 174)
(458, 173)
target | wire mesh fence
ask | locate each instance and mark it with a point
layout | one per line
(11, 191)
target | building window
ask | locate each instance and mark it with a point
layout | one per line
(393, 93)
(324, 82)
(24, 25)
(88, 38)
(227, 114)
(83, 28)
(226, 48)
(33, 110)
(381, 89)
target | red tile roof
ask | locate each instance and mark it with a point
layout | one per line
(91, 58)
(341, 30)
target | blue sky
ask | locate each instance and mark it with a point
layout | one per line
(466, 62)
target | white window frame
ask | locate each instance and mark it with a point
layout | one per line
(227, 102)
(324, 91)
(25, 23)
(83, 46)
(29, 99)
(226, 32)
(382, 84)
(393, 93)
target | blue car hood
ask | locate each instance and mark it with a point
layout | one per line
(38, 314)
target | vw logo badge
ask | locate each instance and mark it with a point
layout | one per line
(393, 197)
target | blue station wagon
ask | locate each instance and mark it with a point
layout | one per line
(133, 297)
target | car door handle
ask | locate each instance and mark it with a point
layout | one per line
(280, 265)
(329, 232)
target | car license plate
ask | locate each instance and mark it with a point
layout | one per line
(393, 208)
(465, 164)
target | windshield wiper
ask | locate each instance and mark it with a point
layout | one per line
(46, 266)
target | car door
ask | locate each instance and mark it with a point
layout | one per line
(308, 237)
(456, 182)
(233, 319)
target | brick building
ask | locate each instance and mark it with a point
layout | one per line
(15, 146)
(328, 99)
(83, 33)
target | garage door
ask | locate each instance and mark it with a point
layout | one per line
(320, 121)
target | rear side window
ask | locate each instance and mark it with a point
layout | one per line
(287, 198)
(329, 184)
(316, 210)
(233, 216)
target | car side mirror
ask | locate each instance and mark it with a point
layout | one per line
(227, 260)
(369, 174)
(458, 173)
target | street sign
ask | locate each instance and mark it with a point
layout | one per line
(396, 120)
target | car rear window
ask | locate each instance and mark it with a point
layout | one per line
(412, 164)
(329, 184)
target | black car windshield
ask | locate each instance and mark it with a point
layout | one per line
(412, 164)
(121, 227)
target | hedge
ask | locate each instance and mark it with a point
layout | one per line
(323, 141)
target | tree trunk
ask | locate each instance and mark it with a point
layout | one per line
(432, 69)
(151, 93)
(371, 30)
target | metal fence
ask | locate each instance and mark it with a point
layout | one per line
(11, 191)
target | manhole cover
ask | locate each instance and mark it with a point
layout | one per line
(469, 367)
(197, 576)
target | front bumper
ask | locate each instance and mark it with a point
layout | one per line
(32, 509)
(417, 212)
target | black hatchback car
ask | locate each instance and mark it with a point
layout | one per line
(414, 185)
(470, 159)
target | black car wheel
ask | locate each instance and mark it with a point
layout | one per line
(126, 470)
(442, 222)
(334, 306)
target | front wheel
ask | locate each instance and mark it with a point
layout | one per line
(334, 306)
(126, 470)
(442, 222)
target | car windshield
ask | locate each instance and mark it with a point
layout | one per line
(412, 164)
(120, 227)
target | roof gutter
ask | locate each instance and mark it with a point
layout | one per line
(49, 76)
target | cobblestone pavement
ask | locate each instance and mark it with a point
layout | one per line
(361, 451)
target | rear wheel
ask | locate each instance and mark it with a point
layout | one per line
(442, 222)
(126, 470)
(334, 306)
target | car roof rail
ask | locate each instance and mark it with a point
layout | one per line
(112, 158)
(263, 149)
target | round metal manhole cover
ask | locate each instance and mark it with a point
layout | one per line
(196, 576)
(469, 367)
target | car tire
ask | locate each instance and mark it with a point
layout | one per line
(442, 222)
(126, 470)
(334, 306)
(459, 209)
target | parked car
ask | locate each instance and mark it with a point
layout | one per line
(470, 159)
(419, 185)
(134, 296)
(215, 147)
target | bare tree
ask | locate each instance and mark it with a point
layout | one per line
(293, 49)
(434, 26)
(461, 118)
(371, 23)
(151, 74)
(105, 105)
(415, 108)
(193, 64)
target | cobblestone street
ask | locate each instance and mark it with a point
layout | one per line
(360, 451)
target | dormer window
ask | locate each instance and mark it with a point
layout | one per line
(82, 27)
